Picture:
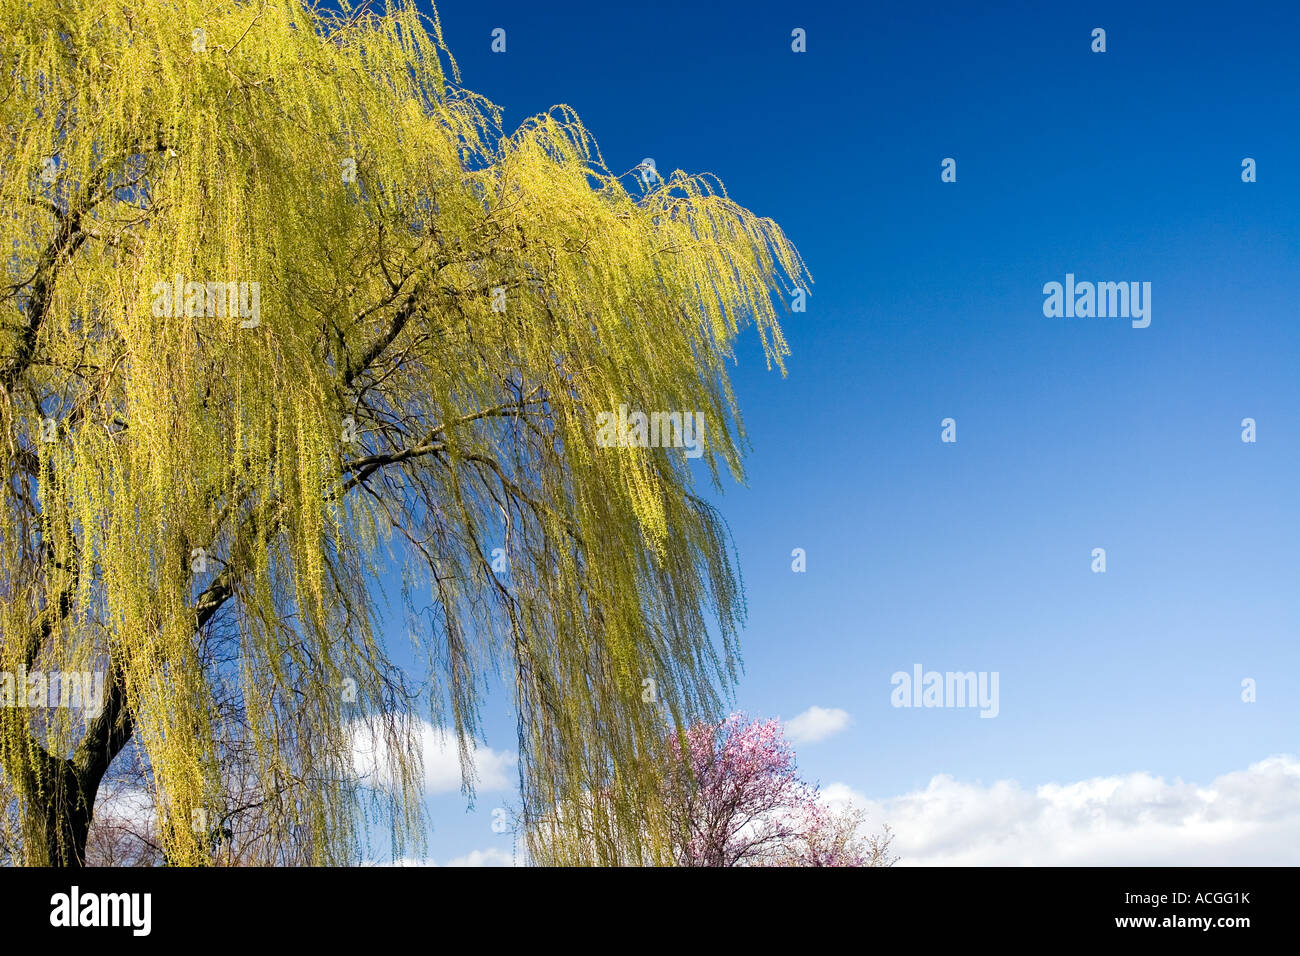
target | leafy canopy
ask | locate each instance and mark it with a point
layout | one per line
(201, 500)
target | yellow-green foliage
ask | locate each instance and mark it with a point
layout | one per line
(134, 150)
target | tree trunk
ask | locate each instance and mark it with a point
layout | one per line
(59, 815)
(61, 791)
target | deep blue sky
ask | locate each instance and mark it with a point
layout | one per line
(927, 303)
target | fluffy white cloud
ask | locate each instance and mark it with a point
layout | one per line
(483, 858)
(816, 723)
(1244, 818)
(126, 806)
(372, 760)
(489, 857)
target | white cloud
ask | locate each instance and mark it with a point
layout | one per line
(126, 806)
(483, 858)
(442, 770)
(1248, 817)
(816, 723)
(489, 857)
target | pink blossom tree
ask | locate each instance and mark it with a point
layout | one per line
(736, 799)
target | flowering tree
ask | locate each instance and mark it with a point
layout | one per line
(736, 799)
(834, 837)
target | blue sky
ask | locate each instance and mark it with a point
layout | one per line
(1072, 434)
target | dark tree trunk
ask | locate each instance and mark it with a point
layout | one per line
(60, 814)
(61, 791)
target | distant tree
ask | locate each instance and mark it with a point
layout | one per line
(735, 795)
(732, 796)
(286, 312)
(835, 836)
(736, 799)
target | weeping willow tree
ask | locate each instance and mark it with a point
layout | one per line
(286, 312)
